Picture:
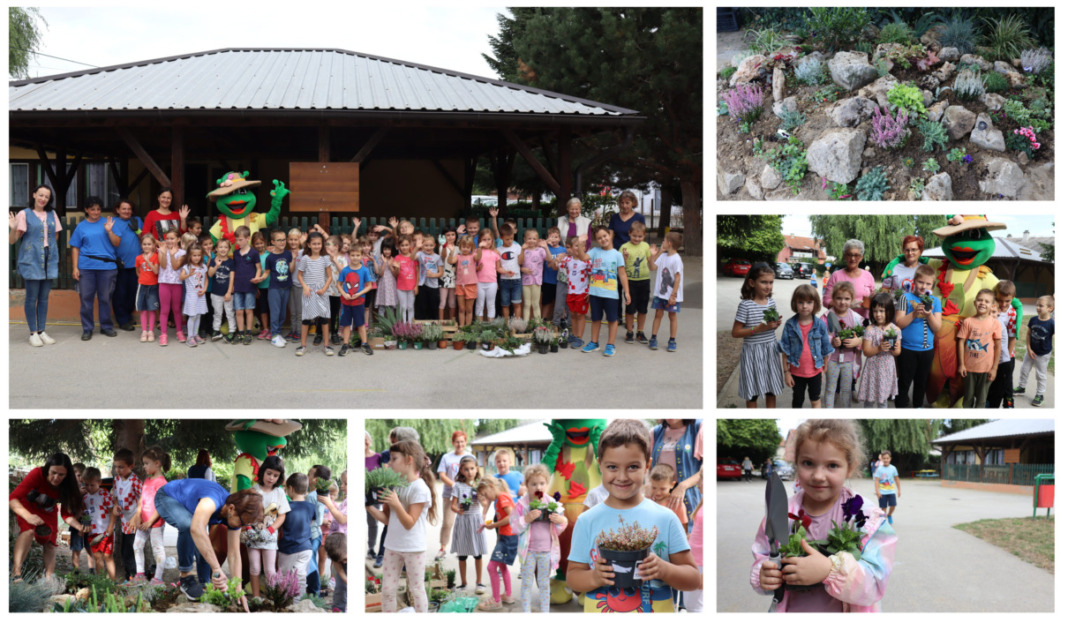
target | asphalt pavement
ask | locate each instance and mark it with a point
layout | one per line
(937, 568)
(122, 372)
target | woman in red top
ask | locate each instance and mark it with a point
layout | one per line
(34, 504)
(163, 220)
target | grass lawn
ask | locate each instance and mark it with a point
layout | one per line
(1021, 345)
(1028, 539)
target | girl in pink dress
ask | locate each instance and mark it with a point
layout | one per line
(878, 379)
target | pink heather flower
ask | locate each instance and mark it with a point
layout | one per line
(888, 131)
(743, 100)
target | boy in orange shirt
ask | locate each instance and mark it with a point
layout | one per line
(978, 350)
(661, 481)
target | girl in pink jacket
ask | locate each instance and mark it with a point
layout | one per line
(826, 453)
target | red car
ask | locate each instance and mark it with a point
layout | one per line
(729, 468)
(737, 268)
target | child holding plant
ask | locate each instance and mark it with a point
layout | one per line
(878, 379)
(539, 540)
(623, 454)
(99, 538)
(919, 316)
(263, 543)
(496, 491)
(805, 347)
(851, 567)
(845, 327)
(467, 539)
(405, 513)
(756, 322)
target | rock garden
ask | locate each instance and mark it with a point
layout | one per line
(884, 104)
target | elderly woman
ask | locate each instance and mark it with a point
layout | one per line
(128, 227)
(574, 224)
(863, 282)
(34, 503)
(901, 273)
(192, 505)
(93, 252)
(38, 260)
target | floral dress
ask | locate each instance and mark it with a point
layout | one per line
(387, 288)
(195, 303)
(878, 379)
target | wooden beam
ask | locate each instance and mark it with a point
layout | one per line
(324, 156)
(143, 156)
(528, 155)
(50, 172)
(448, 176)
(369, 145)
(470, 166)
(564, 170)
(137, 180)
(178, 165)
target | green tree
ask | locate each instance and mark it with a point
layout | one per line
(435, 435)
(23, 39)
(757, 439)
(753, 237)
(880, 233)
(645, 59)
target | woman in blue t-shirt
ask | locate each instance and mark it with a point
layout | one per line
(193, 505)
(95, 263)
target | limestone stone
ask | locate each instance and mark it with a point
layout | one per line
(836, 154)
(949, 54)
(778, 81)
(878, 89)
(851, 70)
(985, 135)
(928, 97)
(195, 607)
(930, 38)
(958, 121)
(749, 69)
(934, 113)
(975, 59)
(1004, 177)
(752, 186)
(787, 104)
(305, 605)
(993, 101)
(729, 181)
(770, 178)
(849, 112)
(1039, 185)
(939, 188)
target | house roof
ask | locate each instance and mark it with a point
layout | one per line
(800, 242)
(1035, 242)
(265, 79)
(999, 428)
(1003, 249)
(530, 433)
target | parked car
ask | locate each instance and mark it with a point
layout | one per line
(729, 468)
(803, 270)
(737, 268)
(783, 271)
(785, 470)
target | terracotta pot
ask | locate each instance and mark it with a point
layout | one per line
(457, 345)
(443, 344)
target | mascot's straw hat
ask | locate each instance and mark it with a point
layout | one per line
(276, 428)
(957, 224)
(230, 182)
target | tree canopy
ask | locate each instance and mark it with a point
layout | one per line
(23, 39)
(880, 233)
(757, 439)
(435, 435)
(909, 440)
(749, 236)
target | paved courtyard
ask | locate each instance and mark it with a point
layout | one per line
(937, 568)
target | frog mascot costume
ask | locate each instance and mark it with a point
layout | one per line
(572, 462)
(236, 204)
(967, 244)
(256, 440)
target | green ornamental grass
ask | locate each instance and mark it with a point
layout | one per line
(1006, 39)
(382, 478)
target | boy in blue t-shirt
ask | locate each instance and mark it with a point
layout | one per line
(887, 485)
(503, 458)
(552, 305)
(295, 543)
(280, 267)
(221, 273)
(623, 454)
(607, 269)
(354, 282)
(1039, 348)
(917, 337)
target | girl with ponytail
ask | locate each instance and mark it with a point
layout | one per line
(157, 463)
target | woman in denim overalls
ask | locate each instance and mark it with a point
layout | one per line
(38, 258)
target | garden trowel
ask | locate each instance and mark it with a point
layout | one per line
(776, 525)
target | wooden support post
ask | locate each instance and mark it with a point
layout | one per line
(534, 163)
(178, 166)
(470, 166)
(564, 171)
(369, 145)
(324, 156)
(448, 177)
(145, 159)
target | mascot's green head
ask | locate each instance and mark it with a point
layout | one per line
(579, 433)
(966, 240)
(234, 196)
(261, 438)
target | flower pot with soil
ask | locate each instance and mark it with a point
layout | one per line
(487, 337)
(624, 548)
(547, 507)
(928, 302)
(377, 481)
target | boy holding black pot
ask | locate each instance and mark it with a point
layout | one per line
(624, 454)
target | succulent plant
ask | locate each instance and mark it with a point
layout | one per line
(627, 538)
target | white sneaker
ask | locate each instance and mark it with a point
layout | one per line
(48, 341)
(35, 340)
(278, 341)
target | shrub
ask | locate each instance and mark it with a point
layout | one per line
(789, 160)
(765, 41)
(1008, 37)
(1034, 61)
(906, 97)
(836, 26)
(870, 187)
(727, 72)
(888, 131)
(811, 71)
(28, 596)
(931, 165)
(995, 82)
(745, 103)
(895, 32)
(955, 155)
(863, 46)
(791, 119)
(828, 93)
(968, 86)
(1024, 116)
(958, 32)
(933, 132)
(1024, 139)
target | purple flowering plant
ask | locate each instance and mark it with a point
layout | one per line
(889, 131)
(845, 537)
(745, 103)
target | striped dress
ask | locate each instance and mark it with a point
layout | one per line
(315, 305)
(467, 540)
(761, 367)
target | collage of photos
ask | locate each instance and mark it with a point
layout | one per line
(546, 516)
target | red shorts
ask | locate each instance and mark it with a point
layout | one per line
(467, 291)
(106, 546)
(578, 303)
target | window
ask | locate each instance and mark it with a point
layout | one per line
(20, 185)
(100, 184)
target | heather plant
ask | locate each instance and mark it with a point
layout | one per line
(888, 131)
(789, 160)
(811, 71)
(933, 133)
(895, 32)
(281, 589)
(745, 103)
(1006, 38)
(931, 166)
(906, 97)
(958, 32)
(968, 86)
(995, 82)
(871, 186)
(627, 538)
(1034, 61)
(791, 119)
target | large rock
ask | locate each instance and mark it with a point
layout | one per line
(949, 54)
(770, 178)
(778, 81)
(305, 605)
(939, 188)
(789, 103)
(752, 186)
(929, 39)
(934, 113)
(878, 89)
(851, 70)
(985, 135)
(975, 59)
(1003, 177)
(195, 607)
(749, 69)
(1039, 186)
(993, 101)
(836, 154)
(944, 72)
(849, 112)
(1015, 78)
(958, 121)
(729, 181)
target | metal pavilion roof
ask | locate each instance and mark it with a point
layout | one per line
(1003, 249)
(241, 79)
(999, 428)
(532, 432)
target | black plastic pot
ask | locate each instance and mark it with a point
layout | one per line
(42, 530)
(625, 565)
(554, 348)
(927, 305)
(472, 345)
(804, 587)
(543, 349)
(487, 346)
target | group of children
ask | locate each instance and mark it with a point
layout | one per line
(292, 534)
(811, 349)
(624, 453)
(337, 283)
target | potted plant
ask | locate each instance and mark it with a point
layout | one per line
(844, 537)
(322, 486)
(376, 338)
(623, 548)
(466, 501)
(542, 337)
(487, 337)
(434, 336)
(458, 340)
(400, 333)
(378, 480)
(548, 506)
(890, 335)
(928, 302)
(518, 327)
(771, 315)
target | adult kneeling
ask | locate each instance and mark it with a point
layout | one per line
(34, 503)
(192, 505)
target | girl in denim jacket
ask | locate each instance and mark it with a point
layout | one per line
(828, 452)
(805, 347)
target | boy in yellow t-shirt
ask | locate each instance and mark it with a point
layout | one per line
(636, 255)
